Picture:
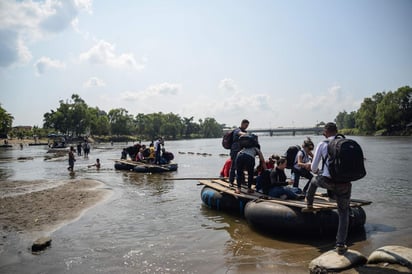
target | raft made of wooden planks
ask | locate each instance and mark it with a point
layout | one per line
(320, 202)
(144, 167)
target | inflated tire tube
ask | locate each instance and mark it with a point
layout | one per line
(357, 218)
(276, 218)
(121, 166)
(221, 201)
(142, 169)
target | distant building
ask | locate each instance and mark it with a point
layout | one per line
(22, 128)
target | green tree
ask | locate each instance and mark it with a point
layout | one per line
(71, 117)
(345, 120)
(141, 123)
(121, 123)
(349, 120)
(405, 101)
(210, 128)
(340, 119)
(79, 116)
(6, 121)
(387, 112)
(365, 118)
(187, 128)
(394, 111)
(99, 122)
(171, 125)
(154, 124)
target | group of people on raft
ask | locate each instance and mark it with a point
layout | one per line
(273, 180)
(155, 153)
(270, 174)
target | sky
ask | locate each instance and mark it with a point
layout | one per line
(275, 63)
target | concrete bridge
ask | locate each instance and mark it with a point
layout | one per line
(289, 130)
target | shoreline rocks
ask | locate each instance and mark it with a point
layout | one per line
(41, 244)
(378, 260)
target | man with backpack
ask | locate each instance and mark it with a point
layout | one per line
(324, 179)
(235, 148)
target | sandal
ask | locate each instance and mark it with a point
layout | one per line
(250, 190)
(237, 191)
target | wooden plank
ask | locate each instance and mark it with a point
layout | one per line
(228, 190)
(218, 185)
(134, 163)
(320, 203)
(128, 162)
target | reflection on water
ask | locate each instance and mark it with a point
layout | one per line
(153, 225)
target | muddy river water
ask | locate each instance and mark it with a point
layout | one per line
(152, 225)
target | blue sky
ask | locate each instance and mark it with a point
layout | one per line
(276, 63)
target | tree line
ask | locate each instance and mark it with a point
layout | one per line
(385, 113)
(75, 118)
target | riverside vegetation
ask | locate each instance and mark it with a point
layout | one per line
(385, 113)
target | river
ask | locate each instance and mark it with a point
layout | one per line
(152, 225)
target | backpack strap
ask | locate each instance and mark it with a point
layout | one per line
(327, 154)
(296, 158)
(341, 136)
(337, 136)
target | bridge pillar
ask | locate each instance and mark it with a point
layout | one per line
(293, 133)
(271, 133)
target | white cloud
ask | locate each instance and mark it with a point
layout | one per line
(228, 85)
(238, 99)
(328, 100)
(94, 82)
(45, 63)
(25, 22)
(84, 5)
(162, 89)
(104, 53)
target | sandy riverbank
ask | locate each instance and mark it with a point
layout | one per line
(16, 141)
(46, 210)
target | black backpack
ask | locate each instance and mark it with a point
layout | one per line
(146, 152)
(345, 159)
(227, 139)
(291, 155)
(248, 141)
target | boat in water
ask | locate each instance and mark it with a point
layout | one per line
(275, 215)
(143, 167)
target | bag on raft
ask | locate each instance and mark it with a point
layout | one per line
(248, 141)
(290, 155)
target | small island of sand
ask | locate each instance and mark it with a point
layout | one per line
(47, 209)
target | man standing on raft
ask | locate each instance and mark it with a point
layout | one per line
(235, 148)
(342, 191)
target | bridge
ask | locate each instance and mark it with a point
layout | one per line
(289, 130)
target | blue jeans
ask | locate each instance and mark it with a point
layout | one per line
(278, 191)
(342, 192)
(232, 171)
(244, 162)
(304, 173)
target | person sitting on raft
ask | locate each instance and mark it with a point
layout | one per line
(140, 156)
(224, 172)
(276, 186)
